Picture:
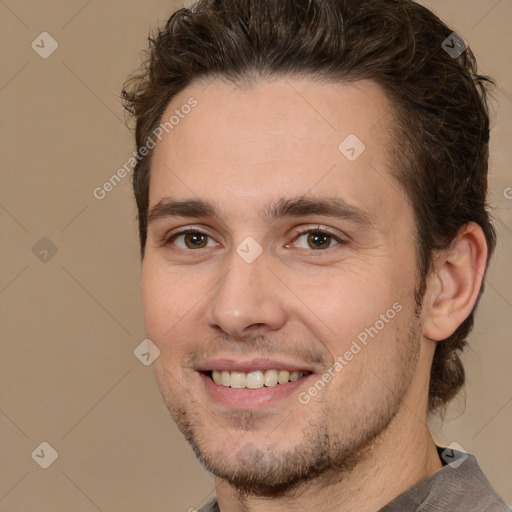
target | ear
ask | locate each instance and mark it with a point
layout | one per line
(454, 287)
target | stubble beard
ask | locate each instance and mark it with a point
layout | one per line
(323, 456)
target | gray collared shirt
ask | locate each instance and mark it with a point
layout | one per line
(459, 486)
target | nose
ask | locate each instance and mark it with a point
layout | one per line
(248, 299)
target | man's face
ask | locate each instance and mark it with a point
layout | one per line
(327, 284)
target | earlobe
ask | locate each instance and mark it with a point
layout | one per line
(455, 285)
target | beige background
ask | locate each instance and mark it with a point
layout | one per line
(68, 375)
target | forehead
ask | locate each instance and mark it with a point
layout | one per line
(276, 138)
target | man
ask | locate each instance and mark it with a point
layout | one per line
(314, 235)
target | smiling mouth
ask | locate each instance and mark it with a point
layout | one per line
(256, 379)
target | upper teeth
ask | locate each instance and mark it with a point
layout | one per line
(254, 380)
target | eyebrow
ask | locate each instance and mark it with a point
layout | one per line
(293, 207)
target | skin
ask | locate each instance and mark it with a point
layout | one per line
(363, 439)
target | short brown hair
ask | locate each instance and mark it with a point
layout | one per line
(441, 120)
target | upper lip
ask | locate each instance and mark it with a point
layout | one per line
(251, 365)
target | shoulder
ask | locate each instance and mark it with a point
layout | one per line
(459, 486)
(210, 506)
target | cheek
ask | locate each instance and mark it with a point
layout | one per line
(165, 305)
(345, 299)
(365, 305)
(167, 300)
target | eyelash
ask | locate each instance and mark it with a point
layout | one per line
(167, 241)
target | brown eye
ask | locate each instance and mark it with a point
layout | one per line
(316, 240)
(319, 240)
(195, 240)
(187, 240)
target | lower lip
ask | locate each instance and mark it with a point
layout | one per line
(251, 398)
